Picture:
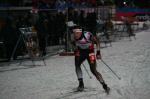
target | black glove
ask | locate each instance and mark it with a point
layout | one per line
(98, 54)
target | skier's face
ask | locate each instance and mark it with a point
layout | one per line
(77, 34)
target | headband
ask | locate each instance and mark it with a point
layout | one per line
(77, 30)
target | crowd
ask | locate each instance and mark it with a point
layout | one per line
(46, 23)
(51, 4)
(63, 4)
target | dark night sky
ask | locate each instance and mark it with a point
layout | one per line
(135, 3)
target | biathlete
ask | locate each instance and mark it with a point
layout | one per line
(84, 49)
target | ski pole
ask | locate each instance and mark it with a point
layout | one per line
(111, 69)
(86, 71)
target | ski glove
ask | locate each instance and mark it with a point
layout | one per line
(98, 55)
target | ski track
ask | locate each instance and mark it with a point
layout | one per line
(129, 59)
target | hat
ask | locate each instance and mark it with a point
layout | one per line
(70, 24)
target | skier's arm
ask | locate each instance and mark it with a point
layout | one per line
(97, 42)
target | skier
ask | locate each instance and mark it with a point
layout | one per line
(84, 49)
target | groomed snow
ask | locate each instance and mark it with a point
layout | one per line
(129, 59)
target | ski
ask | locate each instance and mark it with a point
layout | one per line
(75, 92)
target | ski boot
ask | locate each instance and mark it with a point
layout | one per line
(106, 88)
(81, 85)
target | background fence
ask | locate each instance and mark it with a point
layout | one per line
(49, 24)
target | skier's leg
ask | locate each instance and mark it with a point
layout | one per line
(98, 75)
(78, 62)
(94, 71)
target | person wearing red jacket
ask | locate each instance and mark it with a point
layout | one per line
(84, 49)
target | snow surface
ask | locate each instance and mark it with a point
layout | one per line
(130, 60)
